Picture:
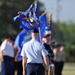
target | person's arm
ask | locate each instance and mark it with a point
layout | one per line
(45, 57)
(24, 61)
(16, 51)
(46, 62)
(2, 49)
(1, 55)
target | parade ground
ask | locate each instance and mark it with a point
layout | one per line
(69, 69)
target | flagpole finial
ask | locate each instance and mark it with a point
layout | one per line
(50, 17)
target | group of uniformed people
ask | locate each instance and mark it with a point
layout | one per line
(37, 57)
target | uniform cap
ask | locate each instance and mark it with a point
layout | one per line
(47, 36)
(35, 31)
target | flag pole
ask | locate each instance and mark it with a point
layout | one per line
(40, 29)
(40, 34)
(50, 20)
(50, 17)
(50, 23)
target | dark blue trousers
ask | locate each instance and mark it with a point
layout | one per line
(7, 65)
(18, 67)
(2, 68)
(35, 69)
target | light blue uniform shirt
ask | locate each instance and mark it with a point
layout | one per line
(34, 51)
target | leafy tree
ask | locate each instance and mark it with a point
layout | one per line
(68, 31)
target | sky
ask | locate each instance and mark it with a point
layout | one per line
(66, 12)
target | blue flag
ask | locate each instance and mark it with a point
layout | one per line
(30, 18)
(21, 38)
(20, 17)
(43, 24)
(32, 14)
(32, 11)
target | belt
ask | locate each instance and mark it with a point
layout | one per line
(35, 64)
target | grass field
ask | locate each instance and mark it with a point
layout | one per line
(69, 69)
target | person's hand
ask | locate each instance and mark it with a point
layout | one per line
(23, 72)
(46, 72)
(1, 59)
(46, 69)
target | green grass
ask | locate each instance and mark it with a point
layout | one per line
(69, 69)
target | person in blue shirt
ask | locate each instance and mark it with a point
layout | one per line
(35, 56)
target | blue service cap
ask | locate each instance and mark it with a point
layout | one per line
(35, 31)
